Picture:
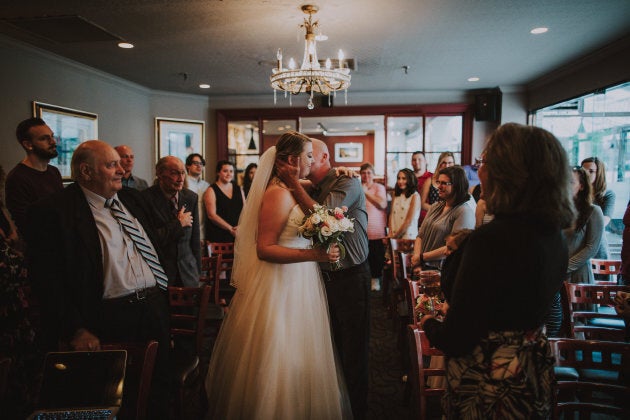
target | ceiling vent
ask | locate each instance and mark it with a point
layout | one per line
(63, 29)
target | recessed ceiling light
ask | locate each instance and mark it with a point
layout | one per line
(538, 31)
(473, 79)
(125, 45)
(204, 86)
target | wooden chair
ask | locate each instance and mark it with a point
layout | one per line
(397, 287)
(606, 267)
(598, 388)
(420, 352)
(226, 252)
(188, 306)
(210, 273)
(138, 376)
(592, 324)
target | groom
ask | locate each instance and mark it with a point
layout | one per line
(347, 289)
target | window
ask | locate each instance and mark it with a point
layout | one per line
(597, 124)
(433, 135)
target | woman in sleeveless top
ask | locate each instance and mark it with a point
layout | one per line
(274, 357)
(405, 206)
(223, 202)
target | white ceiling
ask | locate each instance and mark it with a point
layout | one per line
(231, 44)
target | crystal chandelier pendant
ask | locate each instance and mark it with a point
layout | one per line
(310, 77)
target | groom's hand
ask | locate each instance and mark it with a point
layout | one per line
(288, 173)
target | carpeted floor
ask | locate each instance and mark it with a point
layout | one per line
(386, 393)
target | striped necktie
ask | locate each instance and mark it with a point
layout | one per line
(140, 241)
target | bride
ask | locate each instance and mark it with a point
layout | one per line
(274, 357)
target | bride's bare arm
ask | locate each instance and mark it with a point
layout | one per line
(274, 214)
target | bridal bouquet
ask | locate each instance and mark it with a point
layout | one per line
(326, 227)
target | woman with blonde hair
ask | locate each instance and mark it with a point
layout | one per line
(510, 272)
(430, 193)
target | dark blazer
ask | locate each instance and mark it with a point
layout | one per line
(180, 246)
(66, 260)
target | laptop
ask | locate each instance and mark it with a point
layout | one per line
(81, 385)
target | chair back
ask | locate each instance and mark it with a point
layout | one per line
(594, 324)
(188, 306)
(598, 388)
(420, 352)
(209, 266)
(610, 267)
(138, 376)
(222, 248)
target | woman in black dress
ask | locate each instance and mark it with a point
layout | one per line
(224, 202)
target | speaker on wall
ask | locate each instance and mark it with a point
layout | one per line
(488, 105)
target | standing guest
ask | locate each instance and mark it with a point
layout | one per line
(95, 266)
(17, 334)
(405, 207)
(194, 167)
(224, 202)
(419, 165)
(248, 177)
(375, 205)
(604, 198)
(429, 193)
(509, 273)
(624, 272)
(33, 178)
(453, 212)
(175, 218)
(584, 238)
(472, 172)
(127, 159)
(347, 289)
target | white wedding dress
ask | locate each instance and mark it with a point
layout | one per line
(274, 356)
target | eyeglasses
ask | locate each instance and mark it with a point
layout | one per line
(443, 183)
(197, 163)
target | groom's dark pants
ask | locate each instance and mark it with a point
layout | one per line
(348, 293)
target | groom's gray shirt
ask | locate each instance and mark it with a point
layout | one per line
(334, 191)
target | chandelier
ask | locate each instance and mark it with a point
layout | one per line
(310, 77)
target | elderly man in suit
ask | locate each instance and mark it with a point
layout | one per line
(175, 218)
(94, 264)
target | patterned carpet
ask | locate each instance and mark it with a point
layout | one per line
(386, 394)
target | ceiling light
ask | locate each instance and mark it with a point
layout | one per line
(204, 86)
(125, 45)
(310, 77)
(473, 79)
(538, 31)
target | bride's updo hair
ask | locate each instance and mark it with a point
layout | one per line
(290, 143)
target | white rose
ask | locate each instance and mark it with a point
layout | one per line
(346, 225)
(334, 227)
(325, 231)
(315, 218)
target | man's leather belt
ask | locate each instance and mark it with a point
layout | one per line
(138, 296)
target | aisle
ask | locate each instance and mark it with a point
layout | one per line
(385, 399)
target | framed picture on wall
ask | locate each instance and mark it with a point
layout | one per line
(175, 137)
(71, 128)
(348, 152)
